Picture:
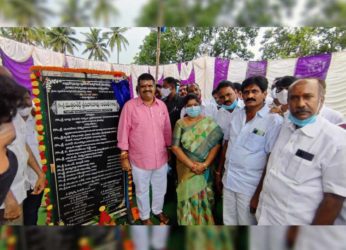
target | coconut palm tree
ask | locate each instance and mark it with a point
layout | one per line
(21, 34)
(75, 14)
(115, 38)
(61, 39)
(104, 10)
(96, 45)
(25, 12)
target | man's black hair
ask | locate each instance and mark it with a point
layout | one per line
(260, 81)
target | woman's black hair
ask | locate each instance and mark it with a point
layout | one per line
(11, 97)
(189, 97)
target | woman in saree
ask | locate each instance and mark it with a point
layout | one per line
(196, 141)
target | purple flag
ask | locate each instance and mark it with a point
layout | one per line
(220, 71)
(20, 70)
(256, 68)
(313, 66)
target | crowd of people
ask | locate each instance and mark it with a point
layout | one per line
(275, 156)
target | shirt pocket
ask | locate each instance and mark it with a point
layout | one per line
(299, 169)
(254, 143)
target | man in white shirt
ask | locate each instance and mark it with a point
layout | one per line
(33, 201)
(229, 103)
(305, 181)
(252, 133)
(208, 108)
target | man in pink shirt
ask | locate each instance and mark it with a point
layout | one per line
(144, 134)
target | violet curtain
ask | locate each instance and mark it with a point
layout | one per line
(256, 68)
(191, 78)
(220, 71)
(313, 66)
(20, 70)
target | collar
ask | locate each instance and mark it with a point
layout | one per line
(261, 113)
(140, 101)
(311, 130)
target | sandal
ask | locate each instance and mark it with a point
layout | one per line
(162, 218)
(147, 222)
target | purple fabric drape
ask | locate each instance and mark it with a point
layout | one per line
(313, 66)
(256, 68)
(191, 79)
(20, 70)
(220, 71)
(160, 81)
(179, 68)
(131, 86)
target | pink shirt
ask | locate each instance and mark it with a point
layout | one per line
(145, 132)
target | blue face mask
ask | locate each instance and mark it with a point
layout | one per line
(230, 107)
(193, 111)
(302, 123)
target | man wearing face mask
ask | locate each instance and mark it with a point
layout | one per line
(305, 180)
(32, 202)
(229, 104)
(173, 102)
(281, 93)
(248, 142)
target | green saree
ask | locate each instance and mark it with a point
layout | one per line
(193, 192)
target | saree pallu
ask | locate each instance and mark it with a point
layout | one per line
(194, 193)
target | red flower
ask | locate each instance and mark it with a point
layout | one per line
(104, 218)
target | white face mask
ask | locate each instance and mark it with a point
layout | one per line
(165, 92)
(25, 111)
(273, 93)
(282, 96)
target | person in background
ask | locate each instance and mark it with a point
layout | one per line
(158, 94)
(237, 87)
(216, 98)
(182, 90)
(144, 136)
(32, 202)
(24, 156)
(9, 102)
(281, 92)
(196, 141)
(208, 109)
(305, 179)
(173, 102)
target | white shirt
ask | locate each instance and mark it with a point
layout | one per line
(208, 109)
(31, 140)
(224, 117)
(19, 149)
(326, 237)
(248, 147)
(294, 185)
(332, 115)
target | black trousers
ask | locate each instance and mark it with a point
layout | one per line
(30, 208)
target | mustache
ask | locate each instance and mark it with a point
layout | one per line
(147, 91)
(302, 110)
(250, 99)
